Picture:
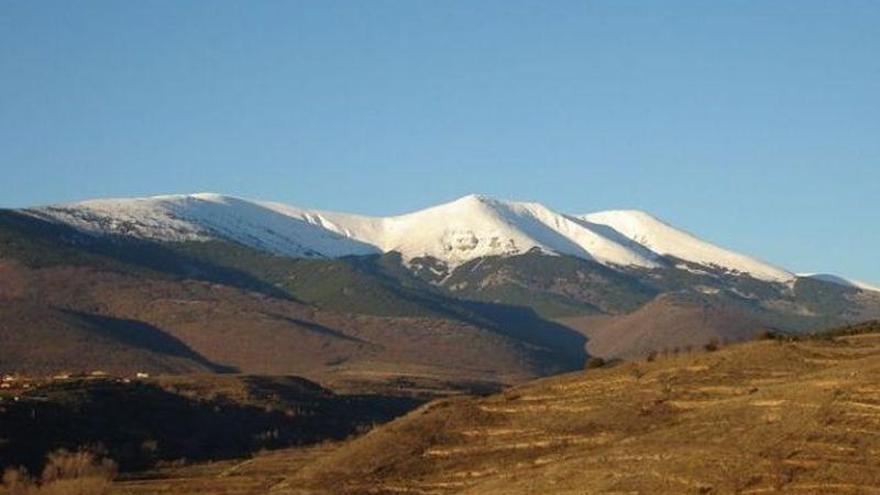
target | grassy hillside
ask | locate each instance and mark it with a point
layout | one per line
(784, 415)
(762, 417)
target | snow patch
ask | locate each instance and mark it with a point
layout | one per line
(664, 239)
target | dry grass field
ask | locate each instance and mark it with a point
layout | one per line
(266, 472)
(761, 417)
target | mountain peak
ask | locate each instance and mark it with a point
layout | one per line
(474, 197)
(477, 200)
(211, 196)
(630, 213)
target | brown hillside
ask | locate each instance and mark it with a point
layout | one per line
(44, 340)
(79, 319)
(669, 322)
(761, 417)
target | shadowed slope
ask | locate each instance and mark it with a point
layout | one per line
(194, 417)
(38, 339)
(142, 336)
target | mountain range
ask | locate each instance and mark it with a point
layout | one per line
(475, 291)
(452, 234)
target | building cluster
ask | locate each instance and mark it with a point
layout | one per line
(12, 381)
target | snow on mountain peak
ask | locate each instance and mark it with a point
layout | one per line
(663, 239)
(475, 226)
(203, 216)
(467, 228)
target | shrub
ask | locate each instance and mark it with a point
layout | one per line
(16, 480)
(766, 335)
(64, 465)
(594, 363)
(66, 473)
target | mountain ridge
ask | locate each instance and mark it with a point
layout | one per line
(451, 233)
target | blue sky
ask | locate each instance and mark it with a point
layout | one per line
(753, 124)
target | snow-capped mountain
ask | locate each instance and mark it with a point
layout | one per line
(662, 238)
(453, 233)
(271, 227)
(476, 269)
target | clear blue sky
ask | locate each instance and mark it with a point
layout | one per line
(754, 124)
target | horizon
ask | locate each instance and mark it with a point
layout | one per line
(751, 125)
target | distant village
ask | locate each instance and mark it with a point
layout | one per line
(12, 384)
